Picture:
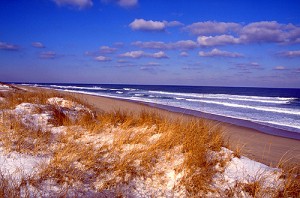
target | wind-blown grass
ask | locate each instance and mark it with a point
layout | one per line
(103, 152)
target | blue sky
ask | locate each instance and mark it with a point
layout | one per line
(214, 43)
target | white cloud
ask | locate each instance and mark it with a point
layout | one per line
(141, 24)
(48, 55)
(217, 40)
(133, 54)
(8, 46)
(263, 31)
(218, 53)
(150, 25)
(159, 55)
(81, 4)
(102, 59)
(140, 54)
(212, 27)
(38, 45)
(223, 33)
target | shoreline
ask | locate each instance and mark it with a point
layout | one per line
(271, 130)
(262, 147)
(235, 121)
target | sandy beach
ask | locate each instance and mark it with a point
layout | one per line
(265, 148)
(97, 146)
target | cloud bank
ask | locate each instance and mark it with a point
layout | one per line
(212, 33)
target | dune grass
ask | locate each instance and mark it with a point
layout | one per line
(121, 144)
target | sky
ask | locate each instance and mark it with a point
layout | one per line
(170, 42)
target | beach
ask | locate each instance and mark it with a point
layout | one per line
(265, 148)
(92, 145)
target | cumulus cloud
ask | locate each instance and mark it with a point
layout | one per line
(140, 54)
(184, 54)
(133, 54)
(9, 46)
(48, 55)
(212, 27)
(38, 45)
(218, 53)
(264, 31)
(123, 3)
(290, 54)
(217, 40)
(182, 45)
(107, 50)
(159, 55)
(221, 33)
(102, 59)
(150, 25)
(141, 24)
(80, 4)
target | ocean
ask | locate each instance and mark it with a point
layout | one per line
(270, 110)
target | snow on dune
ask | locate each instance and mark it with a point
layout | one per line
(19, 165)
(164, 178)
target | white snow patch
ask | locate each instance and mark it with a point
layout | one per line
(246, 171)
(30, 116)
(4, 86)
(19, 165)
(26, 108)
(61, 102)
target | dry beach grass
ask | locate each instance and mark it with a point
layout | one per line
(119, 153)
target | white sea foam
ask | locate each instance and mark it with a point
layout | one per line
(130, 89)
(77, 87)
(275, 100)
(259, 108)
